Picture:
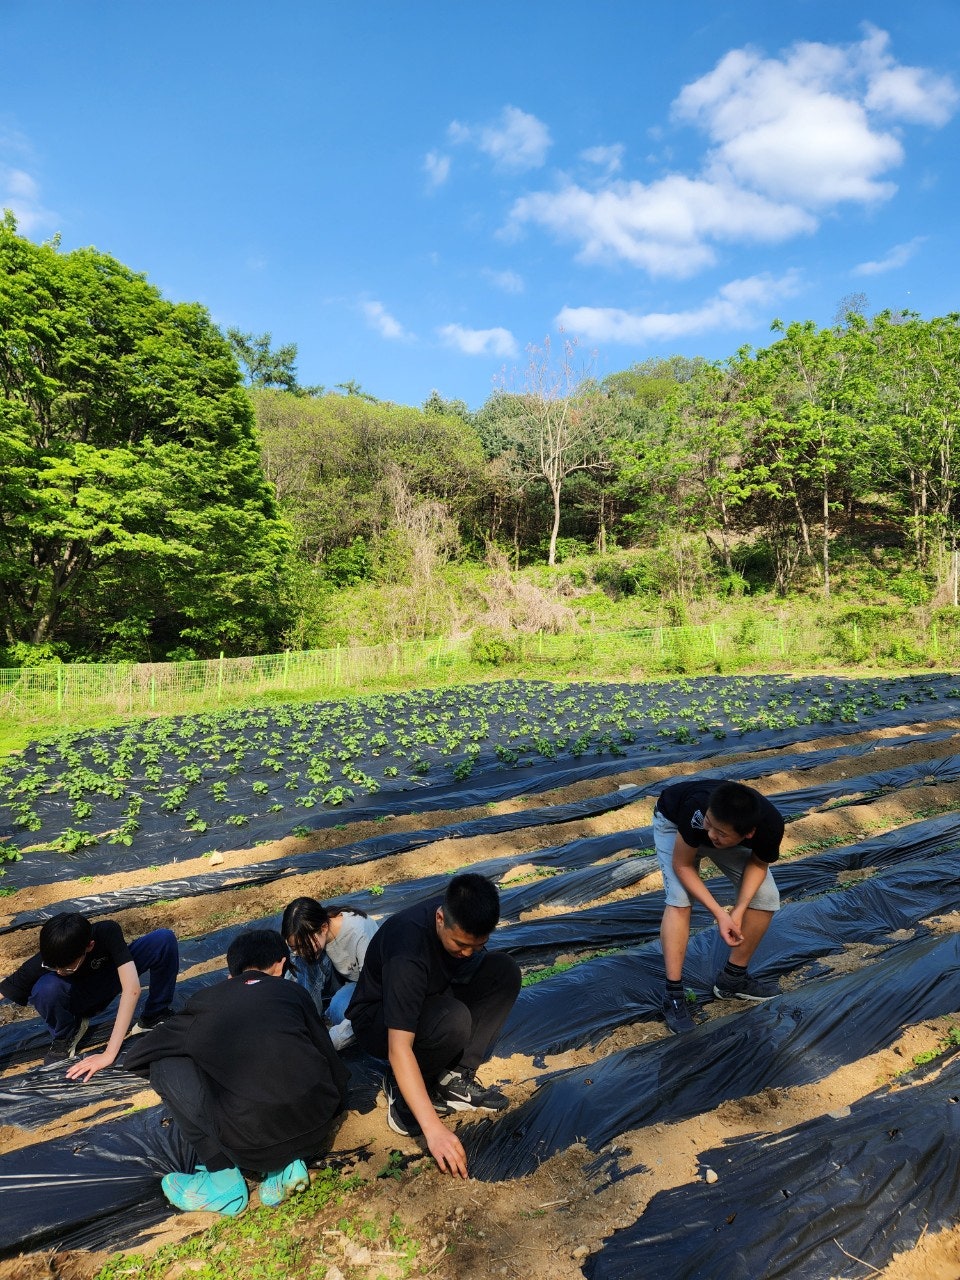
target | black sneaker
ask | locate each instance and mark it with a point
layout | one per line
(463, 1092)
(676, 1014)
(64, 1047)
(147, 1022)
(745, 988)
(399, 1116)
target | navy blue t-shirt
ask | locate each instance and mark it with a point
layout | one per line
(685, 803)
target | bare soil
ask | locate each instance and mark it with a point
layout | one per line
(542, 1226)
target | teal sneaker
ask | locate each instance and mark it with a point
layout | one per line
(275, 1188)
(221, 1192)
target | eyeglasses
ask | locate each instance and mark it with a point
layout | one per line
(63, 969)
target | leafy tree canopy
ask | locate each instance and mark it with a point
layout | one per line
(134, 517)
(333, 460)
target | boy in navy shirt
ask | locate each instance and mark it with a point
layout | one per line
(80, 968)
(740, 831)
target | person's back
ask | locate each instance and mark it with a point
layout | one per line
(278, 1081)
(249, 1074)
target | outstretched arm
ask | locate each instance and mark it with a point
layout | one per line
(445, 1146)
(88, 1067)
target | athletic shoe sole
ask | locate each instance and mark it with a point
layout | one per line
(743, 995)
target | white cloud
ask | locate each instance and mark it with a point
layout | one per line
(478, 342)
(664, 227)
(437, 168)
(734, 305)
(906, 93)
(789, 137)
(508, 281)
(379, 318)
(610, 159)
(896, 257)
(801, 126)
(517, 140)
(20, 193)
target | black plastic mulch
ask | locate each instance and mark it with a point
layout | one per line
(241, 758)
(609, 991)
(369, 850)
(796, 1038)
(791, 804)
(837, 1196)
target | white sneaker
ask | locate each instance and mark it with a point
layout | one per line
(342, 1035)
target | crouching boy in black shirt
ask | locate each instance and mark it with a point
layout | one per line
(249, 1075)
(432, 1000)
(80, 968)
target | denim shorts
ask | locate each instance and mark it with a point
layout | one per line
(731, 863)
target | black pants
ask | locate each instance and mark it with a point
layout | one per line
(185, 1091)
(458, 1028)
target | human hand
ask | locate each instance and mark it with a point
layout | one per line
(729, 930)
(86, 1068)
(447, 1149)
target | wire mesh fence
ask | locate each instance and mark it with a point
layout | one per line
(66, 690)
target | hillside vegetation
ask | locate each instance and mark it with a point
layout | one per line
(169, 492)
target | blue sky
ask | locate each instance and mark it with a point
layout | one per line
(416, 192)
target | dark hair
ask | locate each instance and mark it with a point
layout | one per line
(64, 938)
(472, 903)
(736, 805)
(255, 949)
(303, 918)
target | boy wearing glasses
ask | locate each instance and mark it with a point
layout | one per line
(81, 966)
(432, 1000)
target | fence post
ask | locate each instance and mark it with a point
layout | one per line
(936, 639)
(286, 667)
(336, 666)
(220, 677)
(783, 643)
(153, 692)
(59, 688)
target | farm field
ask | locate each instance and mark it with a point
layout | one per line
(600, 1166)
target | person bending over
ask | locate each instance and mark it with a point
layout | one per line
(250, 1077)
(329, 945)
(432, 1000)
(740, 831)
(80, 968)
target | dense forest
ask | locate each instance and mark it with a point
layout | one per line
(170, 491)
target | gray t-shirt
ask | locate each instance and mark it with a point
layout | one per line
(347, 949)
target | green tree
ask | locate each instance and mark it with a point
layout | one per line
(808, 414)
(134, 516)
(915, 375)
(264, 366)
(333, 462)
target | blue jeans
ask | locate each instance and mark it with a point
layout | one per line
(61, 1003)
(337, 1008)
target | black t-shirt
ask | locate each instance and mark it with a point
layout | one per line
(276, 1078)
(405, 964)
(685, 803)
(108, 953)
